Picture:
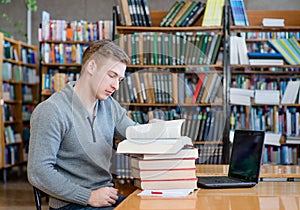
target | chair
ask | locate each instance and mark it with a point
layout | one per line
(38, 195)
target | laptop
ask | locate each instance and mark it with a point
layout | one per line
(244, 165)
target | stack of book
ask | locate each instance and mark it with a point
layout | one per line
(258, 58)
(160, 157)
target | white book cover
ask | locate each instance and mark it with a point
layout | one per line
(291, 92)
(266, 97)
(241, 91)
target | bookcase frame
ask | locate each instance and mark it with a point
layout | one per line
(156, 17)
(19, 123)
(255, 17)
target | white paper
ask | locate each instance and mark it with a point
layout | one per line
(167, 193)
(159, 130)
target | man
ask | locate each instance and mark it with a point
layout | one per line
(72, 134)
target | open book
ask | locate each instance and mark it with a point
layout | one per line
(156, 138)
(159, 130)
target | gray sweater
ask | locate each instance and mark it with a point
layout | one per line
(69, 152)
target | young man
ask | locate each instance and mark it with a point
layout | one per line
(72, 134)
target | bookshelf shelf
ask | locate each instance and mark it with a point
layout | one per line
(188, 73)
(22, 59)
(215, 66)
(208, 142)
(268, 77)
(169, 105)
(132, 29)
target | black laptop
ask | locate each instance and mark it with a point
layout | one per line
(245, 162)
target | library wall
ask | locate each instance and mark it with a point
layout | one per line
(88, 10)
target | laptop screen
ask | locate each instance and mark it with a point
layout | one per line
(246, 155)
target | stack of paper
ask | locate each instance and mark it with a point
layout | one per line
(160, 158)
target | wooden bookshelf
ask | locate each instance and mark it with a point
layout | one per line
(19, 72)
(187, 69)
(271, 74)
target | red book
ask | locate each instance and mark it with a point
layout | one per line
(198, 87)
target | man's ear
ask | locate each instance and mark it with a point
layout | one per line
(91, 67)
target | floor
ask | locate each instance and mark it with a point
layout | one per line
(17, 193)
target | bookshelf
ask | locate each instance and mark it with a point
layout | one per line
(164, 73)
(19, 91)
(61, 50)
(273, 117)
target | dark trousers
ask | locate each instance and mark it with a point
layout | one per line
(74, 206)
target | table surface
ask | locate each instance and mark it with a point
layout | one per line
(267, 171)
(264, 196)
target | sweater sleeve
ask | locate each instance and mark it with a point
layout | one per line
(47, 129)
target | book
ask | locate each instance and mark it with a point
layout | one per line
(186, 152)
(169, 13)
(163, 174)
(239, 13)
(281, 47)
(166, 184)
(291, 92)
(163, 129)
(147, 12)
(181, 12)
(194, 17)
(162, 164)
(278, 22)
(186, 13)
(270, 97)
(126, 12)
(174, 13)
(153, 146)
(277, 62)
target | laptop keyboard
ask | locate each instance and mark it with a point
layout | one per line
(221, 179)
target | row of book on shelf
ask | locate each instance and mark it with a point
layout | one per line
(10, 115)
(168, 88)
(62, 53)
(10, 136)
(10, 51)
(77, 30)
(269, 118)
(285, 154)
(11, 154)
(55, 80)
(280, 51)
(291, 95)
(181, 48)
(187, 13)
(11, 71)
(9, 92)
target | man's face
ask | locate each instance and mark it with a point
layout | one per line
(111, 74)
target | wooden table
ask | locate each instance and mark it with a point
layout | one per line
(267, 171)
(264, 196)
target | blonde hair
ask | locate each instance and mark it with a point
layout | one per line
(104, 49)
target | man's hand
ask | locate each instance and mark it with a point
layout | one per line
(105, 196)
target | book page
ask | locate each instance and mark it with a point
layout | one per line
(158, 130)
